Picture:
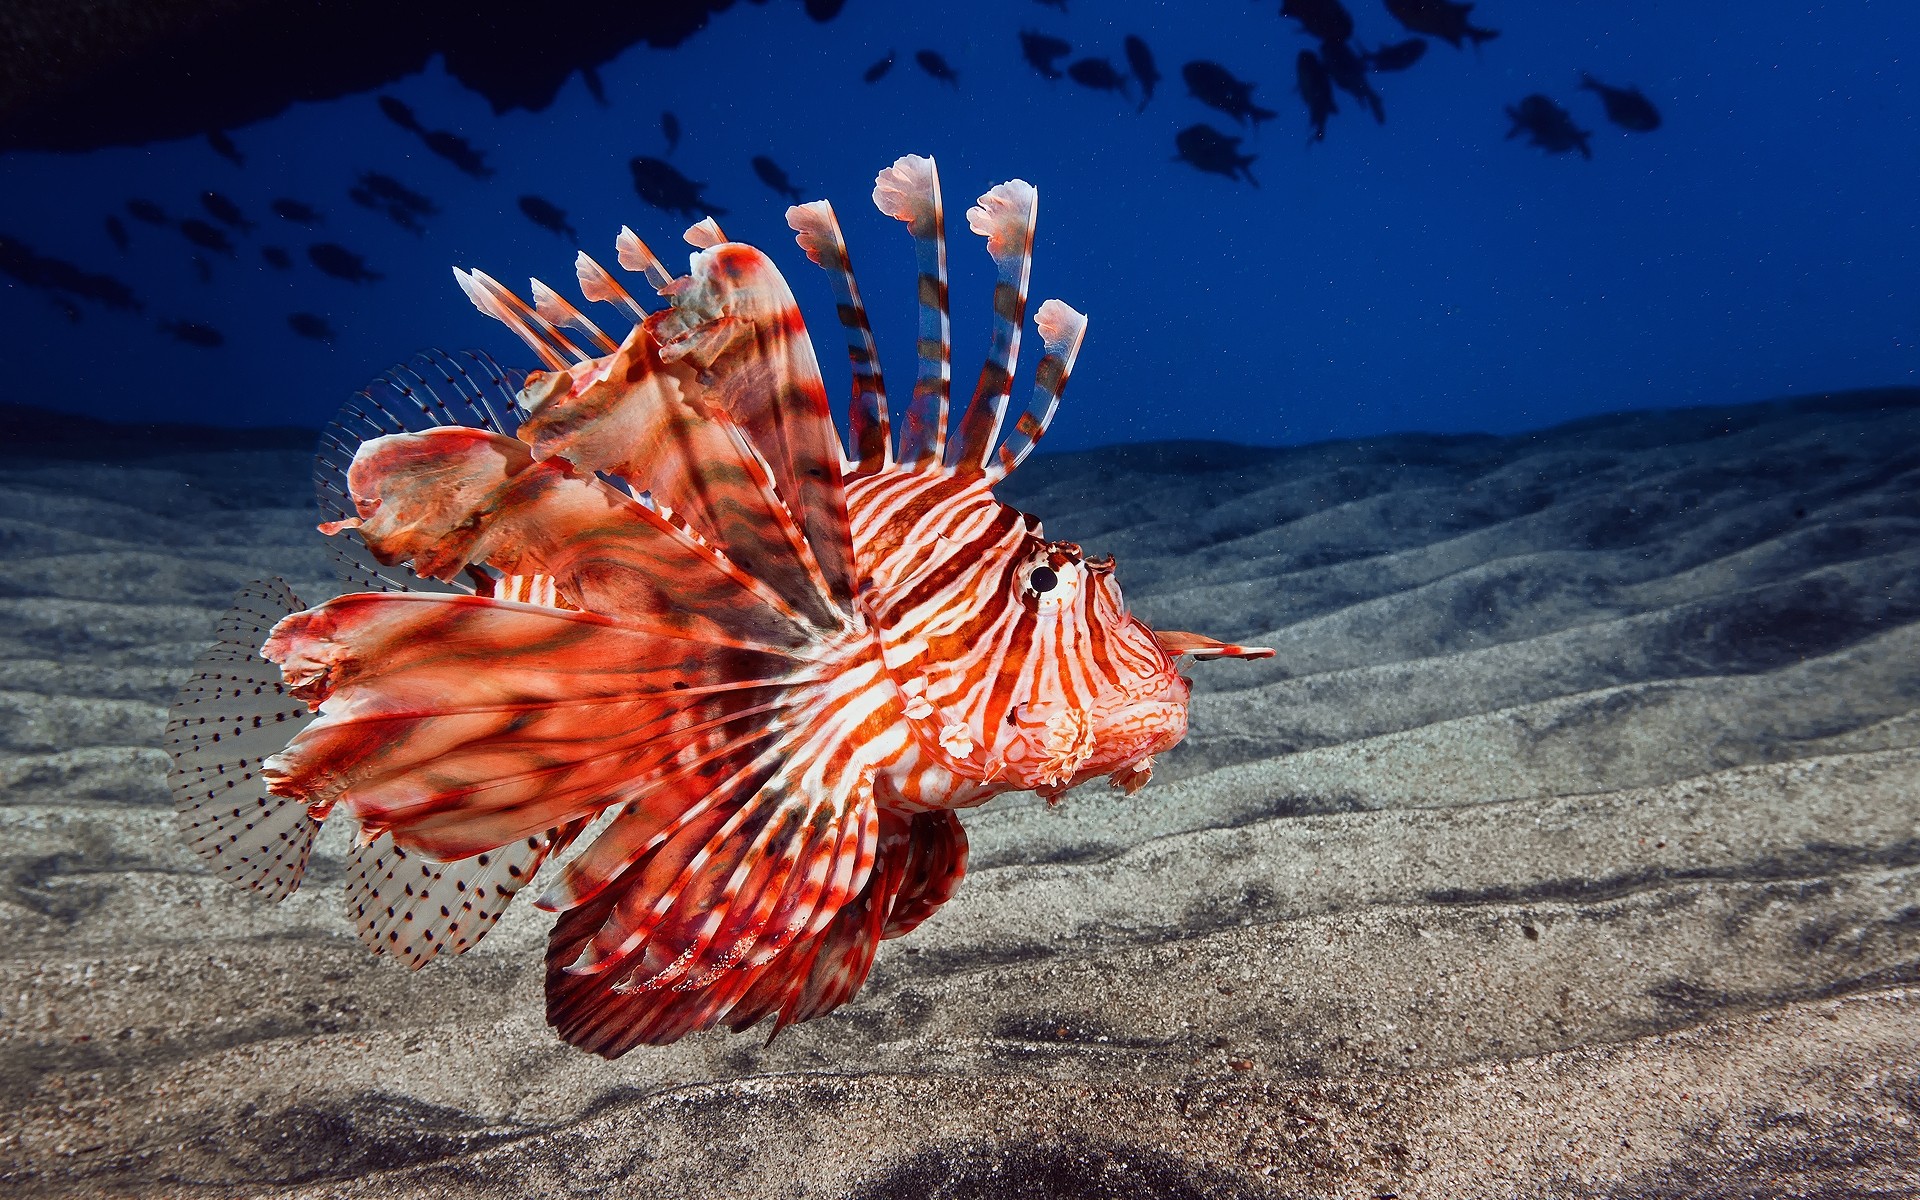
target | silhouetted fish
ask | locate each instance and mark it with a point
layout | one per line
(670, 129)
(203, 269)
(277, 256)
(206, 236)
(397, 212)
(1547, 126)
(1098, 74)
(931, 62)
(1349, 74)
(193, 333)
(824, 10)
(1443, 19)
(1214, 86)
(296, 211)
(341, 263)
(458, 151)
(392, 190)
(874, 73)
(224, 210)
(547, 215)
(310, 325)
(224, 147)
(1398, 56)
(1324, 20)
(1627, 107)
(595, 88)
(1059, 4)
(57, 277)
(1316, 88)
(118, 233)
(148, 211)
(398, 112)
(773, 176)
(1210, 150)
(1140, 58)
(660, 184)
(1043, 52)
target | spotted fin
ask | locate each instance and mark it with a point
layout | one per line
(1005, 217)
(229, 717)
(411, 908)
(909, 191)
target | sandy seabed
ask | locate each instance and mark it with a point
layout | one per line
(1570, 847)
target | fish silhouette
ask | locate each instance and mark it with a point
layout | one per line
(662, 185)
(878, 70)
(401, 115)
(277, 256)
(1059, 4)
(1214, 86)
(118, 233)
(548, 216)
(203, 269)
(1626, 107)
(1043, 52)
(330, 258)
(63, 280)
(1323, 20)
(1443, 19)
(775, 177)
(1140, 59)
(1547, 126)
(595, 87)
(936, 67)
(1397, 56)
(824, 10)
(310, 325)
(206, 236)
(1349, 73)
(224, 147)
(298, 212)
(224, 210)
(458, 151)
(148, 211)
(1098, 74)
(670, 130)
(1316, 88)
(193, 333)
(391, 190)
(1207, 149)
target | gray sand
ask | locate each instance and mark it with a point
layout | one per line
(1570, 847)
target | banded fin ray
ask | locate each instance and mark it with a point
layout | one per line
(1005, 217)
(233, 714)
(554, 308)
(909, 191)
(598, 286)
(1061, 332)
(818, 232)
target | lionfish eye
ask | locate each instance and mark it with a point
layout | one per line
(1043, 579)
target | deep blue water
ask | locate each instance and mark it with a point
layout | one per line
(1424, 273)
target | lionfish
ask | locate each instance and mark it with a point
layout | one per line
(644, 601)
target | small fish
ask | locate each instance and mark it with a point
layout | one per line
(1443, 19)
(63, 280)
(206, 236)
(936, 67)
(772, 174)
(1626, 107)
(401, 115)
(670, 129)
(225, 211)
(193, 333)
(595, 88)
(1059, 4)
(1397, 56)
(1214, 86)
(296, 211)
(878, 70)
(1316, 88)
(391, 190)
(224, 147)
(548, 216)
(1349, 73)
(1043, 52)
(310, 325)
(118, 233)
(824, 10)
(1098, 74)
(1323, 20)
(332, 259)
(777, 680)
(148, 211)
(1547, 126)
(660, 184)
(458, 151)
(277, 256)
(1216, 153)
(1140, 59)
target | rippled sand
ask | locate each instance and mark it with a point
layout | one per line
(1569, 847)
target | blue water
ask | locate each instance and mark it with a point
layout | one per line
(1426, 273)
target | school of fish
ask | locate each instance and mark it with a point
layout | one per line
(657, 611)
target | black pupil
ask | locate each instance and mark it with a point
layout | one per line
(1043, 579)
